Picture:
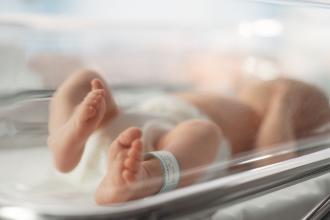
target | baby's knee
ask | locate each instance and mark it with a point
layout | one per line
(206, 129)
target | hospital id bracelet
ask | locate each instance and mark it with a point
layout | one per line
(170, 169)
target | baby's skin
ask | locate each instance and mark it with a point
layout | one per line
(83, 104)
(129, 175)
(125, 154)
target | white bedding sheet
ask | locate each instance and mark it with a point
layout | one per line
(27, 176)
(32, 185)
(21, 170)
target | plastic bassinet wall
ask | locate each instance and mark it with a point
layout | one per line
(145, 47)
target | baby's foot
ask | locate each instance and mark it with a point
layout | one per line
(90, 112)
(73, 134)
(125, 175)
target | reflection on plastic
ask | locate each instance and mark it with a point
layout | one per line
(17, 213)
(260, 28)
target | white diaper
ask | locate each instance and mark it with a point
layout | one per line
(155, 117)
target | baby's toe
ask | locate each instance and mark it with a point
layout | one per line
(117, 153)
(129, 135)
(136, 150)
(132, 164)
(97, 102)
(99, 92)
(97, 84)
(86, 112)
(93, 99)
(92, 96)
(128, 176)
(90, 111)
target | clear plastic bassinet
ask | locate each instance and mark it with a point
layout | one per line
(148, 48)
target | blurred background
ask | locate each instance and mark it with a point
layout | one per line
(207, 44)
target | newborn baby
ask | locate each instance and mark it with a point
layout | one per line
(143, 150)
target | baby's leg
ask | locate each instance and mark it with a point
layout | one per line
(278, 126)
(289, 110)
(194, 143)
(79, 106)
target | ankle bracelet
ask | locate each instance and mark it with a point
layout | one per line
(170, 167)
